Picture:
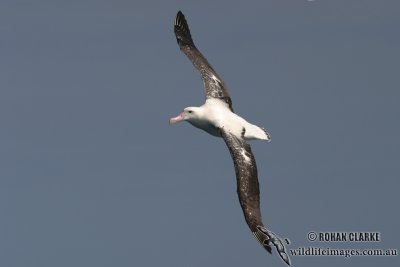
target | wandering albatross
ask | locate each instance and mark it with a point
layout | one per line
(216, 117)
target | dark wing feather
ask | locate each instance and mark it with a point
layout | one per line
(213, 84)
(247, 180)
(249, 192)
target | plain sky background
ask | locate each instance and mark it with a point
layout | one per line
(92, 174)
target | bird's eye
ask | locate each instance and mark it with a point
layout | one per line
(190, 111)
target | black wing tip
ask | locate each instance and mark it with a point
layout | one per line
(262, 239)
(267, 247)
(268, 238)
(181, 29)
(179, 18)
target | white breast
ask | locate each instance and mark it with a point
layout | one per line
(219, 115)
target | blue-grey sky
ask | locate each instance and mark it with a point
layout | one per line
(92, 174)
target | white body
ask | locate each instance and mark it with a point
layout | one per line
(215, 114)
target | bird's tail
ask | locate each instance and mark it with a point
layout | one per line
(268, 238)
(268, 135)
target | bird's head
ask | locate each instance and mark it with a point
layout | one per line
(188, 114)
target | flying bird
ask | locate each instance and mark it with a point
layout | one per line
(217, 118)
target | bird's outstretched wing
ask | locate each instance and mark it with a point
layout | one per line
(213, 84)
(249, 193)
